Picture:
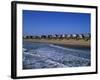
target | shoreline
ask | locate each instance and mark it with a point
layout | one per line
(74, 46)
(77, 44)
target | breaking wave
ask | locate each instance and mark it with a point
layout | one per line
(36, 55)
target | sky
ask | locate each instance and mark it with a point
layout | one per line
(47, 22)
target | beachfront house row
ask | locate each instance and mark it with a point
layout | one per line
(86, 36)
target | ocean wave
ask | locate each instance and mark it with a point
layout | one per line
(33, 61)
(24, 49)
(52, 56)
(69, 49)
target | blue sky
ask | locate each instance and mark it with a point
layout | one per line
(44, 22)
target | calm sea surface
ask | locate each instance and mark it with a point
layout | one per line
(43, 55)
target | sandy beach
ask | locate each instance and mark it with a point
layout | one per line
(64, 42)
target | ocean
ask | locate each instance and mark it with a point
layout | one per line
(45, 55)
